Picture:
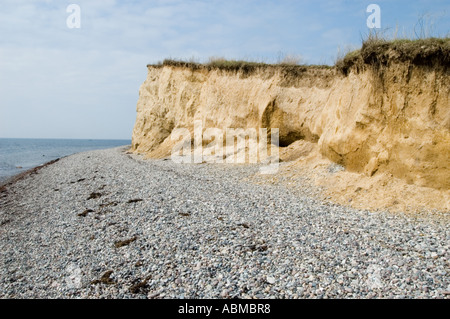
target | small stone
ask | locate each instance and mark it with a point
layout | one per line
(197, 266)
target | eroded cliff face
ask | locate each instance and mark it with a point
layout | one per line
(394, 120)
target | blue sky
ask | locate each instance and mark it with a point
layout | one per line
(57, 82)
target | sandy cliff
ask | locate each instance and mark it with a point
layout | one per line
(388, 117)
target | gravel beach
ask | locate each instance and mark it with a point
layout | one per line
(106, 224)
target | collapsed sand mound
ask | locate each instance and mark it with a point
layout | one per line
(330, 181)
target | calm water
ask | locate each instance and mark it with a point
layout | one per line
(17, 155)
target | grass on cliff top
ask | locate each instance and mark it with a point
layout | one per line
(377, 51)
(240, 65)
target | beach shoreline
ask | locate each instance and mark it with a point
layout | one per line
(9, 181)
(19, 155)
(107, 224)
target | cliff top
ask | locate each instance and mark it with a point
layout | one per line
(375, 51)
(378, 52)
(240, 65)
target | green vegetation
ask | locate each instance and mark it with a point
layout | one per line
(288, 65)
(376, 51)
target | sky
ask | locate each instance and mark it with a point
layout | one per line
(61, 82)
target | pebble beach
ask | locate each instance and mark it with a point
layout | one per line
(107, 224)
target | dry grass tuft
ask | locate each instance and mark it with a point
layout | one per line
(378, 52)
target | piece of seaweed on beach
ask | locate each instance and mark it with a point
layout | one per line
(108, 204)
(4, 222)
(134, 200)
(126, 242)
(140, 287)
(104, 279)
(94, 196)
(84, 214)
(184, 214)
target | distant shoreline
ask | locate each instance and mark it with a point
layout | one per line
(17, 177)
(18, 155)
(8, 181)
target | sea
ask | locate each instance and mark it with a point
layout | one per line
(20, 154)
